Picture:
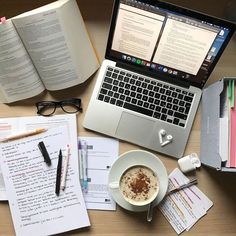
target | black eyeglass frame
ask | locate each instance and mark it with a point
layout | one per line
(76, 102)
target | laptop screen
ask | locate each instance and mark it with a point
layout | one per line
(166, 40)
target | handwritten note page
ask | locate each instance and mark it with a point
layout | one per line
(102, 153)
(185, 207)
(30, 185)
(14, 125)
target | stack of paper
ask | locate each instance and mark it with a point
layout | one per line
(232, 125)
(30, 182)
(185, 207)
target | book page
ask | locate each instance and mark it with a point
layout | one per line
(18, 77)
(30, 184)
(46, 40)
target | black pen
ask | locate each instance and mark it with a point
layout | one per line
(58, 179)
(44, 152)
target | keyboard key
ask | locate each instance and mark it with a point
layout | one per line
(100, 97)
(157, 102)
(108, 73)
(145, 98)
(126, 79)
(162, 90)
(150, 100)
(122, 97)
(144, 85)
(151, 106)
(170, 112)
(114, 75)
(134, 100)
(113, 101)
(138, 96)
(140, 103)
(133, 94)
(188, 99)
(108, 80)
(115, 88)
(121, 90)
(138, 109)
(175, 108)
(119, 103)
(132, 81)
(107, 86)
(103, 91)
(181, 109)
(169, 105)
(157, 115)
(128, 99)
(151, 94)
(127, 92)
(110, 93)
(163, 117)
(106, 99)
(176, 121)
(180, 115)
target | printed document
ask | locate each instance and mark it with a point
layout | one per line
(102, 153)
(30, 185)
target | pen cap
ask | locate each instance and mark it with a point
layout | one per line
(189, 163)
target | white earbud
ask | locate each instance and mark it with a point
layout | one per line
(162, 133)
(169, 138)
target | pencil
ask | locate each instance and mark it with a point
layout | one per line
(23, 134)
(65, 168)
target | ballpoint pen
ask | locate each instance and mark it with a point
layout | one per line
(58, 178)
(80, 164)
(84, 164)
(65, 168)
(190, 183)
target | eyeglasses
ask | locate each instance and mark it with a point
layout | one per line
(47, 108)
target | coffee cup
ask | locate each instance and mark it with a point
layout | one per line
(138, 185)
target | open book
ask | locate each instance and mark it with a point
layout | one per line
(46, 48)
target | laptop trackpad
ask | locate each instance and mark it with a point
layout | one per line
(135, 129)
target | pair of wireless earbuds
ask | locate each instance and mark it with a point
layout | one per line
(168, 139)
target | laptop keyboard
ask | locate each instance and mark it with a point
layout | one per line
(144, 95)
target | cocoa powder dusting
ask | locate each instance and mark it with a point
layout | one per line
(140, 184)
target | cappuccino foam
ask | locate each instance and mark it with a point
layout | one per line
(139, 184)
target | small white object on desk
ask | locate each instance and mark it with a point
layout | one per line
(189, 163)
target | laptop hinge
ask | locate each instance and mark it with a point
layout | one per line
(156, 75)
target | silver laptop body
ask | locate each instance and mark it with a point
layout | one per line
(127, 80)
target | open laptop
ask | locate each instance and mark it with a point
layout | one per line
(158, 58)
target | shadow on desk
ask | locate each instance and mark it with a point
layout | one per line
(222, 187)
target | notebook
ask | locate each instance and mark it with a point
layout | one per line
(158, 59)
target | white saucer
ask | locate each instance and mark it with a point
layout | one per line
(131, 158)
